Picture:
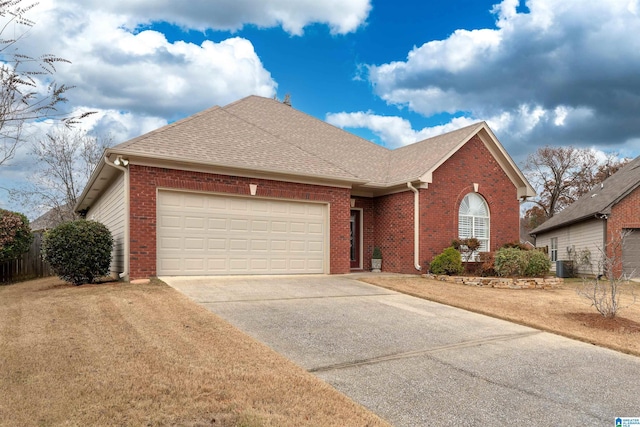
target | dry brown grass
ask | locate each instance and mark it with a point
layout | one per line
(560, 311)
(122, 354)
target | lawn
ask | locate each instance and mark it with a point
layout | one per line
(560, 311)
(122, 354)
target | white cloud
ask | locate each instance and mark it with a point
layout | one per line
(561, 72)
(293, 15)
(144, 73)
(392, 130)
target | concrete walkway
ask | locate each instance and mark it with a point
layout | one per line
(418, 363)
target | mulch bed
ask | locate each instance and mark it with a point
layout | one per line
(597, 321)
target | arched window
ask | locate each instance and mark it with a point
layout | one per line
(473, 220)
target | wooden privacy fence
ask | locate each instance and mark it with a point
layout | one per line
(29, 265)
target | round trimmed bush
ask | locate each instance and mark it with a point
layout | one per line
(79, 251)
(449, 262)
(538, 263)
(15, 235)
(510, 262)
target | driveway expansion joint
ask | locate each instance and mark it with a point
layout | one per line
(425, 352)
(294, 298)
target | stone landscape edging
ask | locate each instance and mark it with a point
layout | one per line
(501, 282)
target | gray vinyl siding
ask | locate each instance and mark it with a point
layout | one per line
(109, 210)
(584, 235)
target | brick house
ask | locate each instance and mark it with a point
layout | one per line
(595, 223)
(257, 187)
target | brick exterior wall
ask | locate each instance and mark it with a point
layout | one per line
(145, 180)
(439, 204)
(624, 214)
(394, 231)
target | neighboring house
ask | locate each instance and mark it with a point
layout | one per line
(257, 187)
(595, 222)
(52, 218)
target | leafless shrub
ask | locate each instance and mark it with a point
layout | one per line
(605, 291)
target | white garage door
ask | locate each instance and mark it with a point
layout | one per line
(203, 234)
(631, 254)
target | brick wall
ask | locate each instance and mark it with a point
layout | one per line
(394, 230)
(144, 182)
(625, 214)
(454, 179)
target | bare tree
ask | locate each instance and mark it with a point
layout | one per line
(606, 290)
(561, 175)
(28, 91)
(64, 162)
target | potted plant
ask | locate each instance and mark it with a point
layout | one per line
(376, 260)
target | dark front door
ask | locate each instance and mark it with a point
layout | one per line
(355, 239)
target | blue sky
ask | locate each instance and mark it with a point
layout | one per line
(557, 72)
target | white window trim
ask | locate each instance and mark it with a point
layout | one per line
(553, 249)
(475, 219)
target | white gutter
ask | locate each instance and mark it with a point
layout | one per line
(416, 226)
(125, 170)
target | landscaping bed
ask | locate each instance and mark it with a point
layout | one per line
(558, 309)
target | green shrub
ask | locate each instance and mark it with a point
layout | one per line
(537, 262)
(377, 253)
(515, 262)
(15, 235)
(448, 262)
(79, 251)
(510, 262)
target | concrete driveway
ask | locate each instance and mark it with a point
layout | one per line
(418, 363)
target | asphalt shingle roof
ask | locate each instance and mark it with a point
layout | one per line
(599, 200)
(264, 134)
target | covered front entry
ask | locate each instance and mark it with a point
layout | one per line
(214, 234)
(355, 231)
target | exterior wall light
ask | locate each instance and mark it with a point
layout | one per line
(121, 162)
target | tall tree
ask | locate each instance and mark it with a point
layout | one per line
(29, 91)
(561, 175)
(64, 161)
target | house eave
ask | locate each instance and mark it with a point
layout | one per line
(594, 215)
(103, 173)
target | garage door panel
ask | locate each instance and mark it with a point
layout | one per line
(238, 245)
(315, 229)
(297, 246)
(214, 234)
(217, 265)
(259, 245)
(278, 245)
(194, 244)
(259, 225)
(171, 221)
(278, 227)
(217, 244)
(315, 247)
(217, 224)
(239, 225)
(194, 223)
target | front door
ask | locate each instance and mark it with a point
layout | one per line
(355, 239)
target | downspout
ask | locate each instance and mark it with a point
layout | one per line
(416, 226)
(125, 250)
